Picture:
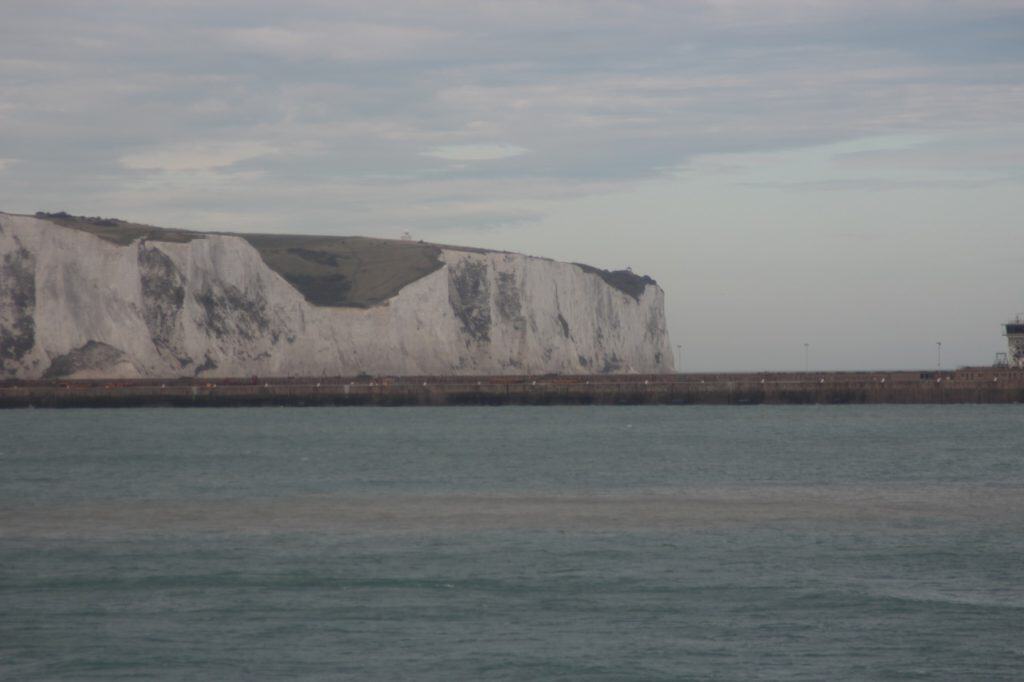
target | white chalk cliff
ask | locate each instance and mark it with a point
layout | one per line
(73, 304)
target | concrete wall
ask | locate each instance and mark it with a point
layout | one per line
(975, 385)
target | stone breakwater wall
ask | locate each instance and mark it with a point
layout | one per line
(118, 303)
(976, 385)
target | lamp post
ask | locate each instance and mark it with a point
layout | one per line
(938, 346)
(807, 360)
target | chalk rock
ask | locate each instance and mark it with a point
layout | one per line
(79, 303)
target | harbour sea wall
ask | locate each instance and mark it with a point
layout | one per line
(967, 385)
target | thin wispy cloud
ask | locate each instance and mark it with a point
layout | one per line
(476, 152)
(195, 156)
(345, 42)
(595, 91)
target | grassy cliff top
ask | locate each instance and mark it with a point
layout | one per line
(119, 231)
(328, 271)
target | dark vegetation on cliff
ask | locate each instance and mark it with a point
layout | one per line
(119, 231)
(328, 271)
(625, 281)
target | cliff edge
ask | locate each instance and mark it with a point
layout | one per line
(93, 297)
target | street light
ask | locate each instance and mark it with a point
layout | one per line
(938, 346)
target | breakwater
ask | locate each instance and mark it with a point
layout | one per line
(967, 385)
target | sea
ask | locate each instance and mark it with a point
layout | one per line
(513, 543)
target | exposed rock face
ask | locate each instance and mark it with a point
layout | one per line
(469, 293)
(17, 303)
(94, 359)
(77, 304)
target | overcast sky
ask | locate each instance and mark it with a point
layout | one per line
(843, 173)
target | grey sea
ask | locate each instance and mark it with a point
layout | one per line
(592, 543)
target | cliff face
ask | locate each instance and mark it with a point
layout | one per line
(83, 303)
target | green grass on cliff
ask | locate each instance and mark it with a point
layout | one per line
(346, 271)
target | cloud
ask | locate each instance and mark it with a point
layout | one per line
(950, 153)
(196, 157)
(475, 152)
(351, 41)
(429, 97)
(876, 163)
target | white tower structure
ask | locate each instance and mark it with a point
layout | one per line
(1015, 341)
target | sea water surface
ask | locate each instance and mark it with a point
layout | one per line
(515, 543)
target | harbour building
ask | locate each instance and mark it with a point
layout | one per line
(1015, 342)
